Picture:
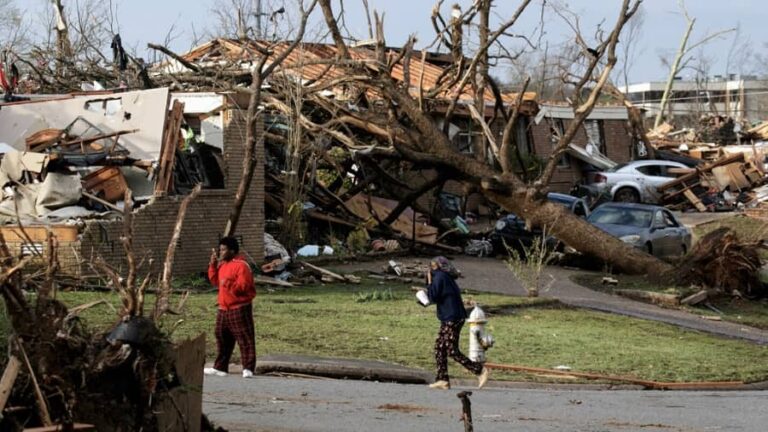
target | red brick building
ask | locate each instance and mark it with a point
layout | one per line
(606, 129)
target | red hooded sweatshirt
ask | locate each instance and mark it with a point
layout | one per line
(235, 283)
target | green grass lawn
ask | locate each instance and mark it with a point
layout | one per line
(747, 312)
(337, 321)
(747, 228)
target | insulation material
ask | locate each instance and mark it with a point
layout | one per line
(58, 190)
(23, 200)
(15, 163)
(71, 212)
(144, 110)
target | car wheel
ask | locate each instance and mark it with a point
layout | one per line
(648, 248)
(626, 194)
(683, 250)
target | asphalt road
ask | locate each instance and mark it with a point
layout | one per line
(266, 403)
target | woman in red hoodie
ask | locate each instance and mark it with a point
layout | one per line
(234, 320)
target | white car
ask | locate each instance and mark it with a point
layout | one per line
(634, 181)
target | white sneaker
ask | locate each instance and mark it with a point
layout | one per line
(440, 385)
(214, 372)
(483, 377)
(247, 373)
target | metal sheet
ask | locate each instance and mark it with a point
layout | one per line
(144, 110)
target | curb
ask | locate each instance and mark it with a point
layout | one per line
(374, 370)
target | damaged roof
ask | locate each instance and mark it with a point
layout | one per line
(314, 64)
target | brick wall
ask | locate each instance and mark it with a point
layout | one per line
(617, 142)
(205, 219)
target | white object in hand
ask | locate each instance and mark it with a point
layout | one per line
(421, 295)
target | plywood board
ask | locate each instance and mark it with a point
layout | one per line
(358, 204)
(63, 233)
(722, 177)
(737, 177)
(181, 409)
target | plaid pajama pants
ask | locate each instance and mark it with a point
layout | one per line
(235, 325)
(447, 344)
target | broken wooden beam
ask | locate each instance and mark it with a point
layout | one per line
(332, 275)
(8, 379)
(649, 296)
(171, 135)
(272, 281)
(696, 298)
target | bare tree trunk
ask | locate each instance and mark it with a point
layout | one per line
(636, 120)
(249, 159)
(163, 296)
(481, 78)
(257, 78)
(63, 45)
(673, 71)
(330, 21)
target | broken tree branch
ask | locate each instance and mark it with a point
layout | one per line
(163, 296)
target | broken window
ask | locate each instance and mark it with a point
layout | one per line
(523, 137)
(650, 170)
(669, 221)
(465, 142)
(107, 106)
(198, 163)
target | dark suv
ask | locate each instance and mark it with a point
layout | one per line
(510, 229)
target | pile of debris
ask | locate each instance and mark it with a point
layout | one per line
(715, 186)
(64, 174)
(729, 166)
(131, 377)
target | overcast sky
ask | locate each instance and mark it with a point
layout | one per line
(143, 21)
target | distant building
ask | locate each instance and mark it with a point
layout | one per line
(743, 98)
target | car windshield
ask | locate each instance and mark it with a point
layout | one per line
(639, 218)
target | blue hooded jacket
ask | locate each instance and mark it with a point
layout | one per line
(445, 293)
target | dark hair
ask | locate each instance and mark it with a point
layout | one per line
(230, 243)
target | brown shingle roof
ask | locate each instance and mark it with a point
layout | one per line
(313, 62)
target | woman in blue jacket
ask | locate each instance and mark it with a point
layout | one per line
(445, 293)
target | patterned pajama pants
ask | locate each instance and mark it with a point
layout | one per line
(447, 344)
(232, 326)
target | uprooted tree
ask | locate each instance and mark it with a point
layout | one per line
(59, 371)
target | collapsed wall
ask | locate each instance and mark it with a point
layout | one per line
(154, 222)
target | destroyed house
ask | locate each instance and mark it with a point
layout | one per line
(315, 66)
(68, 160)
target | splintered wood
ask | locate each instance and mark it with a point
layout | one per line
(697, 188)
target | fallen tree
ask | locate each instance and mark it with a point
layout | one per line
(417, 137)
